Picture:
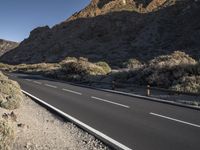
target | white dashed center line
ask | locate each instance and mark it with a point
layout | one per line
(74, 92)
(100, 99)
(180, 121)
(52, 86)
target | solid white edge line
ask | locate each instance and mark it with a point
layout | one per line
(80, 123)
(169, 118)
(28, 80)
(37, 82)
(110, 102)
(74, 92)
(52, 86)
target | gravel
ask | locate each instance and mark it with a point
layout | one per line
(38, 129)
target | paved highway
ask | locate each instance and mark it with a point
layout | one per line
(136, 123)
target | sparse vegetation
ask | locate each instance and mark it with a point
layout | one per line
(177, 71)
(187, 84)
(105, 66)
(70, 69)
(79, 70)
(6, 135)
(10, 93)
(177, 58)
(133, 64)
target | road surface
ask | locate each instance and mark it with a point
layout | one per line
(136, 123)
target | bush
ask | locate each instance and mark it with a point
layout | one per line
(164, 70)
(187, 84)
(175, 59)
(105, 66)
(6, 67)
(70, 68)
(82, 67)
(133, 64)
(68, 59)
(6, 135)
(10, 93)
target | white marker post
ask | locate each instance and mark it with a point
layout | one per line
(124, 2)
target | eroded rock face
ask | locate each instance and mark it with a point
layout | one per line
(6, 46)
(115, 31)
(100, 7)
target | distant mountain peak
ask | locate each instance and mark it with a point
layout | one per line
(5, 46)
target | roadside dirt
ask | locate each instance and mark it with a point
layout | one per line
(38, 129)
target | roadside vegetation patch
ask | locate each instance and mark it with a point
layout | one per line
(177, 71)
(133, 64)
(6, 135)
(70, 69)
(10, 93)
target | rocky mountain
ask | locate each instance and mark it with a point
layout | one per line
(115, 31)
(6, 46)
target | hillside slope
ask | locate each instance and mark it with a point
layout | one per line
(114, 31)
(6, 46)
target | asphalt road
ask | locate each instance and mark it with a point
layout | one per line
(139, 124)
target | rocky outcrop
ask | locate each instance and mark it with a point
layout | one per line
(115, 31)
(6, 46)
(100, 7)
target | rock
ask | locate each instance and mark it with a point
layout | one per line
(114, 31)
(21, 125)
(5, 116)
(28, 145)
(5, 46)
(13, 116)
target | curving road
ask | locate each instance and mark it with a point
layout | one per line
(136, 123)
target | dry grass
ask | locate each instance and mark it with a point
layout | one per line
(70, 68)
(176, 71)
(6, 135)
(133, 64)
(10, 93)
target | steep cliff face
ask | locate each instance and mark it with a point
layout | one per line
(6, 46)
(116, 30)
(100, 7)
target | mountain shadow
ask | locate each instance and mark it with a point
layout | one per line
(115, 37)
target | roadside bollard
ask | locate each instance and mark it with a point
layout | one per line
(148, 90)
(113, 85)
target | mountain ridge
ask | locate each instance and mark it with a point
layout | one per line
(6, 45)
(115, 33)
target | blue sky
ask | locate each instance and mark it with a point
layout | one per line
(19, 17)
